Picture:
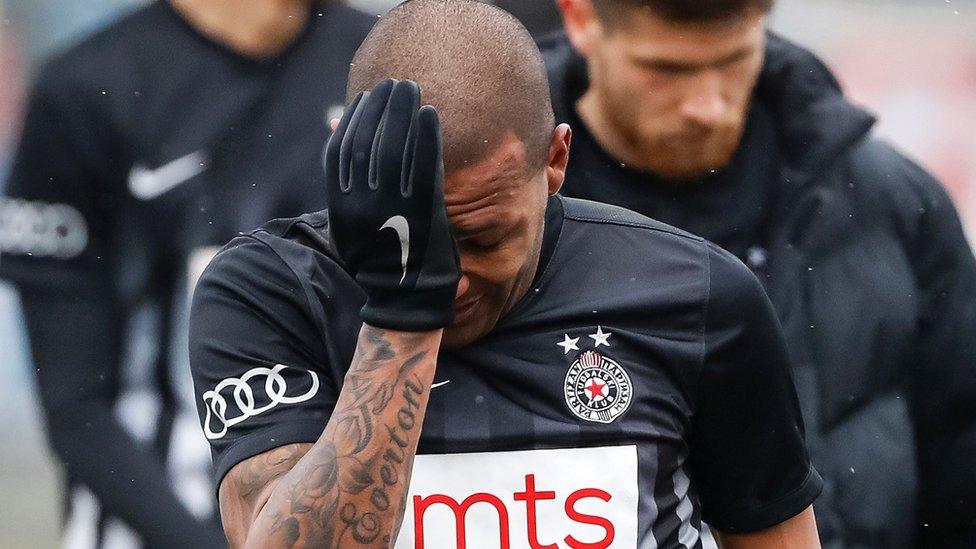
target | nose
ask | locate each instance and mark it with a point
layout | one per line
(463, 286)
(704, 103)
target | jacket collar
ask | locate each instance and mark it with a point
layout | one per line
(817, 124)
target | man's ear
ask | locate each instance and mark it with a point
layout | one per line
(562, 138)
(580, 23)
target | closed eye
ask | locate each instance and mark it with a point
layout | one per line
(479, 245)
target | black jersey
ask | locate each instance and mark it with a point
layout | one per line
(638, 389)
(147, 147)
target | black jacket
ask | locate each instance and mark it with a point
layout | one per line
(875, 284)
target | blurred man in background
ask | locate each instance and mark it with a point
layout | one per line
(145, 148)
(691, 113)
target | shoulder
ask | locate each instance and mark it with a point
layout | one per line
(880, 171)
(623, 242)
(250, 269)
(734, 291)
(598, 213)
(631, 246)
(890, 188)
(282, 249)
(251, 279)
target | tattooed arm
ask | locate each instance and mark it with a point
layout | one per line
(349, 488)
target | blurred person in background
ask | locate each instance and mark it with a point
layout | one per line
(145, 148)
(690, 112)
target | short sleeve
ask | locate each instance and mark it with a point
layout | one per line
(256, 356)
(748, 454)
(57, 210)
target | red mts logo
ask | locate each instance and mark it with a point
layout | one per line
(531, 498)
(556, 498)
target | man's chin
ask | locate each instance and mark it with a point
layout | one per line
(674, 168)
(455, 338)
(460, 335)
(690, 160)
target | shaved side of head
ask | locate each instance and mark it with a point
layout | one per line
(475, 63)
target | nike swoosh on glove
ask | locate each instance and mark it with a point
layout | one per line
(388, 223)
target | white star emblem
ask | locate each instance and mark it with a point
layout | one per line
(601, 337)
(569, 344)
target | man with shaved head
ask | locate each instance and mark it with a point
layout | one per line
(454, 355)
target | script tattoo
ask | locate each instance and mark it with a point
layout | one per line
(350, 489)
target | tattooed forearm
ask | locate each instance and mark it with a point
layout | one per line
(349, 488)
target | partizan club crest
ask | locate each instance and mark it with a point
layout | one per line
(597, 389)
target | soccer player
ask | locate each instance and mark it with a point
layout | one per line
(147, 147)
(689, 112)
(455, 353)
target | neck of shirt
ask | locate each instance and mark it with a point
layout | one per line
(257, 31)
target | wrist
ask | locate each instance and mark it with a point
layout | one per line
(414, 311)
(387, 349)
(406, 337)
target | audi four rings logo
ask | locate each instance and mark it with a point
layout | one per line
(275, 387)
(40, 229)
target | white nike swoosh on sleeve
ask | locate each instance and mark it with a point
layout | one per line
(147, 184)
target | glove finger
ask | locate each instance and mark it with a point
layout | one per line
(345, 146)
(427, 164)
(361, 142)
(441, 266)
(332, 147)
(391, 141)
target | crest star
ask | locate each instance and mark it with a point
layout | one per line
(601, 337)
(569, 344)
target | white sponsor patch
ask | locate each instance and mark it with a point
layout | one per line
(565, 498)
(41, 229)
(274, 388)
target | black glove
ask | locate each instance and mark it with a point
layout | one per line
(385, 191)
